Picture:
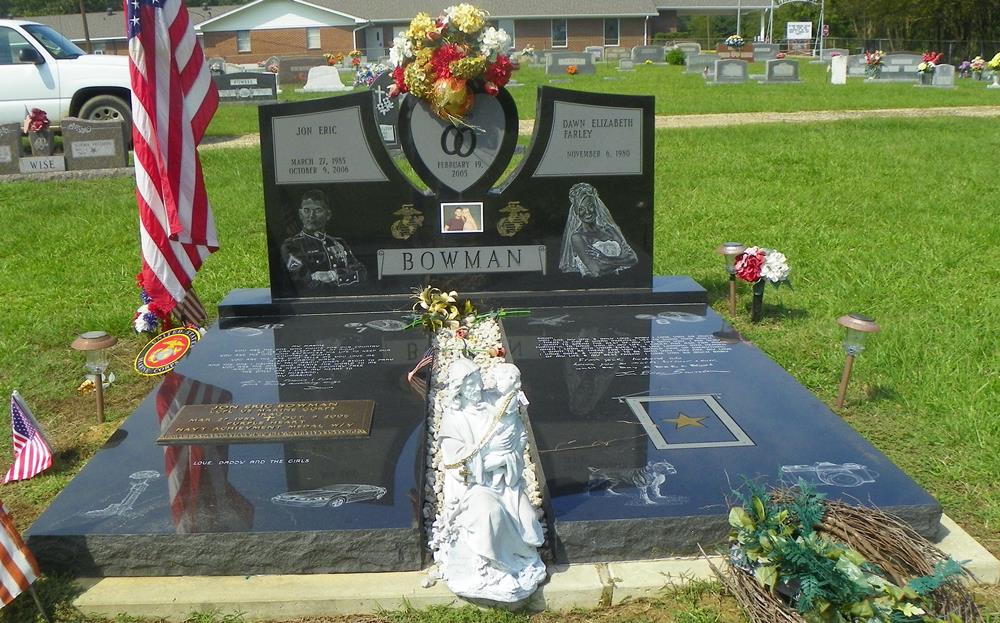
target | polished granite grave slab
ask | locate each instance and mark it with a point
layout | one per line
(646, 418)
(304, 507)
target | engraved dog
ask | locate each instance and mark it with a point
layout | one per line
(646, 480)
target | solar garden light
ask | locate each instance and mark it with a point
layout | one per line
(731, 250)
(95, 344)
(858, 326)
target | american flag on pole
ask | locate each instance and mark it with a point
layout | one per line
(19, 567)
(32, 454)
(173, 100)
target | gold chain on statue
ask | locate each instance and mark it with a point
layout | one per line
(464, 472)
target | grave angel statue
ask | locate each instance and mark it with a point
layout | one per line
(592, 244)
(487, 532)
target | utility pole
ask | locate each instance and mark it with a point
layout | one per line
(86, 29)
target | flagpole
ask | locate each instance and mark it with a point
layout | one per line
(38, 602)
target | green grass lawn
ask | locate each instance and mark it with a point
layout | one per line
(678, 93)
(895, 218)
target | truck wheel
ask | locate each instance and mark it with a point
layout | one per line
(108, 108)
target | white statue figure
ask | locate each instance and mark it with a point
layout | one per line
(487, 532)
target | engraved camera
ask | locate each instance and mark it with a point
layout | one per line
(833, 474)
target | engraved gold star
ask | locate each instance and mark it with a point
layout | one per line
(683, 420)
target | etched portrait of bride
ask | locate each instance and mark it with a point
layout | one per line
(592, 244)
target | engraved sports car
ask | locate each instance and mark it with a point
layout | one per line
(332, 496)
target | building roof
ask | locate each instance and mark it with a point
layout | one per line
(103, 26)
(712, 5)
(404, 10)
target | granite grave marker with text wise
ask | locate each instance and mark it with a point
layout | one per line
(94, 144)
(247, 87)
(10, 148)
(344, 221)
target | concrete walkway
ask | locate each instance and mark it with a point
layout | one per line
(277, 597)
(526, 126)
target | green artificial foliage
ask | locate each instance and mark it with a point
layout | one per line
(826, 581)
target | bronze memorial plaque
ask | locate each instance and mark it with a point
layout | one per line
(255, 423)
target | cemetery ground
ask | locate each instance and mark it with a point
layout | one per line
(678, 93)
(890, 217)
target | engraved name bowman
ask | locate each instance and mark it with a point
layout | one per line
(451, 260)
(259, 422)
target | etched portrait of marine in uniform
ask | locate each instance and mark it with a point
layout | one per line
(314, 259)
(592, 244)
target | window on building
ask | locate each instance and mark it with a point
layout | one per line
(611, 31)
(508, 26)
(312, 38)
(242, 40)
(559, 35)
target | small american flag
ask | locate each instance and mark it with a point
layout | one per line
(32, 454)
(19, 568)
(173, 100)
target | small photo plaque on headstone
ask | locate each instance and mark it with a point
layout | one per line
(10, 148)
(94, 144)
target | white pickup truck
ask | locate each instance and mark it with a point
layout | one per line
(40, 68)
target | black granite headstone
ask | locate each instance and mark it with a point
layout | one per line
(293, 69)
(576, 213)
(247, 87)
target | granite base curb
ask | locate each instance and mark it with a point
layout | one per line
(275, 597)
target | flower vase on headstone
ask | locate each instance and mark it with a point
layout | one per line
(757, 304)
(41, 142)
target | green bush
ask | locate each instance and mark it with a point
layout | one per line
(675, 57)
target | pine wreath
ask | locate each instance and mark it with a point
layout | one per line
(798, 558)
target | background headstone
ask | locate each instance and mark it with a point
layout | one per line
(626, 64)
(386, 109)
(689, 48)
(247, 87)
(696, 63)
(731, 70)
(782, 70)
(643, 53)
(557, 62)
(595, 51)
(944, 76)
(838, 70)
(10, 148)
(296, 68)
(324, 79)
(765, 51)
(856, 66)
(830, 53)
(94, 144)
(901, 66)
